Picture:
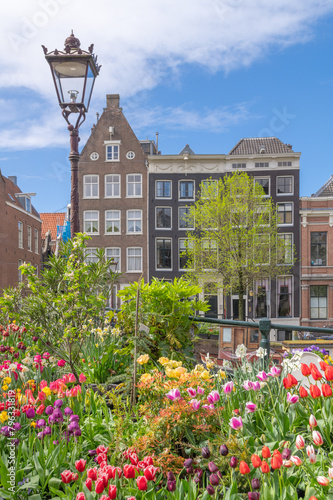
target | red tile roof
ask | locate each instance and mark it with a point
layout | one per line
(50, 221)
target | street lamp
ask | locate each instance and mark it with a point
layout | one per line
(74, 72)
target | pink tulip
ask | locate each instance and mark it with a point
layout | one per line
(61, 362)
(300, 443)
(43, 384)
(256, 386)
(195, 404)
(174, 394)
(236, 423)
(82, 378)
(46, 355)
(200, 390)
(262, 376)
(228, 387)
(274, 372)
(209, 407)
(317, 438)
(71, 377)
(248, 385)
(250, 407)
(296, 460)
(292, 398)
(192, 392)
(213, 397)
(312, 421)
(324, 481)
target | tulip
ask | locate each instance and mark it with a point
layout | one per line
(292, 399)
(80, 465)
(210, 490)
(171, 485)
(310, 449)
(317, 438)
(306, 371)
(174, 394)
(170, 476)
(303, 392)
(256, 385)
(330, 473)
(296, 460)
(250, 407)
(313, 498)
(88, 483)
(188, 462)
(101, 448)
(253, 495)
(315, 373)
(286, 454)
(214, 479)
(262, 376)
(329, 373)
(205, 452)
(200, 390)
(212, 467)
(256, 461)
(266, 452)
(195, 404)
(99, 485)
(290, 381)
(312, 421)
(287, 463)
(264, 467)
(213, 397)
(248, 385)
(112, 491)
(92, 474)
(150, 472)
(192, 392)
(274, 372)
(228, 387)
(236, 423)
(300, 443)
(255, 483)
(224, 450)
(243, 467)
(80, 496)
(30, 413)
(61, 362)
(142, 483)
(129, 471)
(312, 458)
(326, 390)
(66, 476)
(324, 481)
(315, 391)
(71, 378)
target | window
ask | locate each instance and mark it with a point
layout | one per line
(184, 219)
(283, 335)
(134, 221)
(284, 185)
(318, 249)
(29, 238)
(163, 253)
(36, 241)
(183, 257)
(318, 302)
(163, 217)
(284, 293)
(91, 222)
(209, 254)
(114, 255)
(20, 234)
(287, 253)
(285, 213)
(90, 186)
(112, 221)
(284, 163)
(90, 255)
(25, 201)
(210, 295)
(20, 275)
(186, 190)
(208, 188)
(130, 155)
(134, 185)
(163, 189)
(112, 186)
(112, 152)
(134, 259)
(264, 183)
(261, 165)
(261, 298)
(238, 165)
(261, 249)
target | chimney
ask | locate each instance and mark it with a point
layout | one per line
(13, 178)
(112, 101)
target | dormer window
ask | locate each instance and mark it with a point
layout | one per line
(25, 201)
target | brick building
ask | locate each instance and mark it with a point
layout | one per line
(317, 257)
(113, 194)
(174, 181)
(20, 230)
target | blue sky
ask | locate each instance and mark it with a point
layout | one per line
(199, 73)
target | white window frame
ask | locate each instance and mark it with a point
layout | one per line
(292, 185)
(135, 257)
(179, 194)
(89, 186)
(112, 220)
(20, 234)
(318, 307)
(36, 241)
(112, 184)
(163, 197)
(292, 213)
(90, 220)
(284, 263)
(171, 256)
(109, 250)
(29, 235)
(255, 179)
(134, 184)
(180, 252)
(90, 255)
(112, 151)
(179, 219)
(163, 228)
(133, 215)
(278, 278)
(204, 183)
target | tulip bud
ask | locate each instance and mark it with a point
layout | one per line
(188, 462)
(189, 470)
(255, 483)
(317, 438)
(312, 421)
(212, 467)
(253, 495)
(224, 450)
(330, 473)
(210, 490)
(214, 479)
(300, 443)
(205, 452)
(170, 476)
(324, 481)
(171, 485)
(286, 453)
(233, 462)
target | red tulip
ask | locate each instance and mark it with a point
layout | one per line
(134, 458)
(264, 467)
(148, 461)
(80, 496)
(324, 481)
(266, 452)
(306, 372)
(300, 443)
(315, 391)
(329, 373)
(316, 375)
(75, 476)
(101, 449)
(311, 498)
(80, 465)
(289, 381)
(243, 467)
(303, 392)
(99, 485)
(323, 365)
(102, 457)
(40, 409)
(129, 471)
(256, 462)
(150, 472)
(326, 390)
(117, 471)
(66, 476)
(317, 438)
(89, 483)
(92, 473)
(312, 421)
(142, 483)
(112, 491)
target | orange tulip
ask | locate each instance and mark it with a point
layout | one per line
(303, 392)
(276, 462)
(323, 365)
(256, 462)
(316, 375)
(266, 452)
(264, 467)
(329, 373)
(306, 372)
(289, 381)
(243, 467)
(326, 390)
(315, 391)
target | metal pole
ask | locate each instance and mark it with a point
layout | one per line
(74, 159)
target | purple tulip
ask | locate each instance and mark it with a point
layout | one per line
(30, 413)
(55, 442)
(255, 483)
(224, 450)
(68, 411)
(212, 467)
(171, 485)
(233, 462)
(188, 462)
(49, 410)
(16, 426)
(40, 435)
(40, 423)
(77, 432)
(170, 476)
(210, 490)
(58, 403)
(250, 407)
(47, 430)
(214, 479)
(236, 423)
(286, 453)
(5, 430)
(253, 495)
(74, 418)
(73, 426)
(205, 452)
(92, 453)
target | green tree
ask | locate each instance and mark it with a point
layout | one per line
(236, 239)
(57, 305)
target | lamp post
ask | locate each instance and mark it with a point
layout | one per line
(74, 72)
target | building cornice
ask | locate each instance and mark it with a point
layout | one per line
(23, 211)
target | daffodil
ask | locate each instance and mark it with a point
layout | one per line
(221, 374)
(205, 375)
(33, 424)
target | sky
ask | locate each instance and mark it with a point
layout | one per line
(203, 73)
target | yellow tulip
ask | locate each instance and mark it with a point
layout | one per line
(3, 416)
(142, 360)
(145, 377)
(205, 375)
(47, 391)
(5, 387)
(163, 361)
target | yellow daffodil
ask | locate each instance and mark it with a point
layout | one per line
(163, 361)
(143, 359)
(221, 375)
(47, 391)
(3, 416)
(199, 368)
(205, 375)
